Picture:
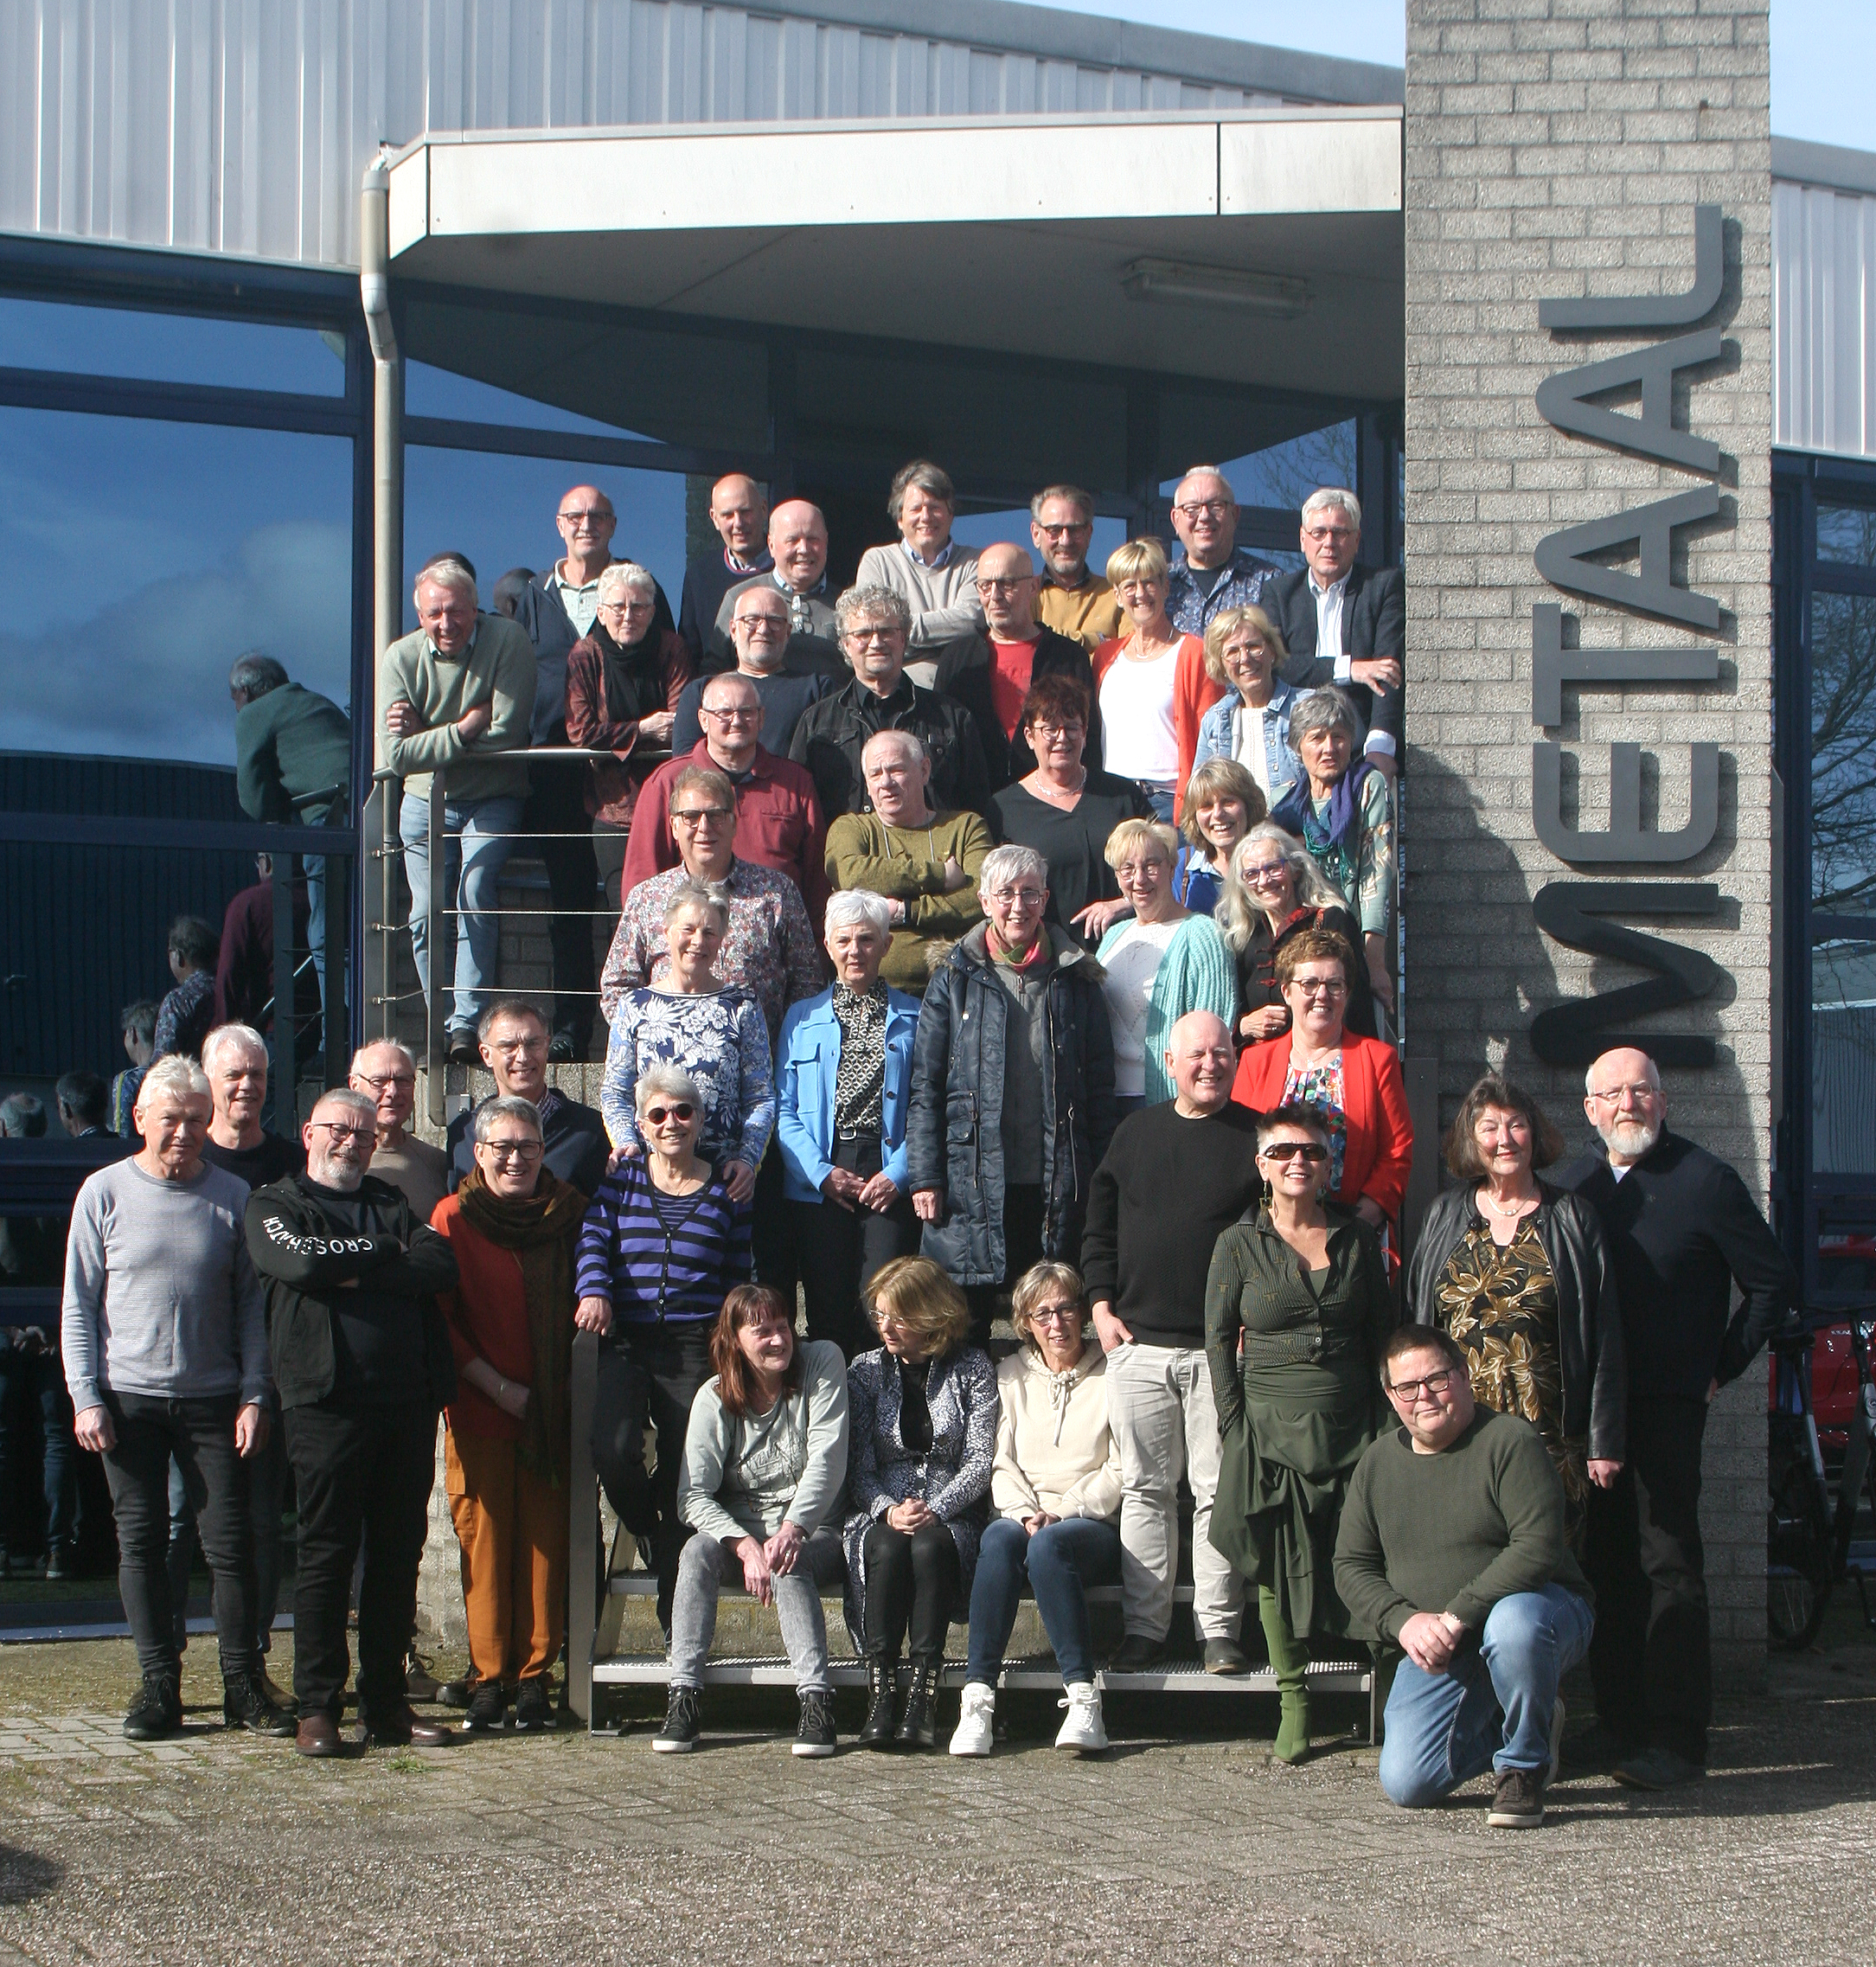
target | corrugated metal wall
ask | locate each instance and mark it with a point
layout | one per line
(1824, 319)
(163, 122)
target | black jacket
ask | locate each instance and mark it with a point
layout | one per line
(1373, 623)
(542, 614)
(954, 1138)
(573, 1136)
(832, 734)
(304, 1266)
(1589, 1321)
(963, 675)
(1682, 1231)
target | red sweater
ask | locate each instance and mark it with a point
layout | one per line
(1194, 694)
(487, 1313)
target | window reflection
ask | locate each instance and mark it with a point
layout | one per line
(169, 347)
(1283, 475)
(1843, 1057)
(1847, 534)
(987, 528)
(1843, 753)
(431, 391)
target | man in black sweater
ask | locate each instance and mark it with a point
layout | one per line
(513, 1036)
(1682, 1231)
(1176, 1178)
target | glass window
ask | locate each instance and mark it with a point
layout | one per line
(987, 528)
(1843, 753)
(169, 347)
(1843, 1057)
(1847, 534)
(1283, 475)
(431, 392)
(140, 558)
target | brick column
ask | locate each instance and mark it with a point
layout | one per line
(1557, 150)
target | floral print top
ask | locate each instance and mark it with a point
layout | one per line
(1321, 1087)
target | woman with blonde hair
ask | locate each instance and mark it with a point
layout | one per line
(1244, 651)
(1223, 802)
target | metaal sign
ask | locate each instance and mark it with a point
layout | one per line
(1642, 582)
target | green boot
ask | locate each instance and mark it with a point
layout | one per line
(1288, 1657)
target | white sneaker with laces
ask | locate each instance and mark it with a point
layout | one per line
(1084, 1730)
(975, 1729)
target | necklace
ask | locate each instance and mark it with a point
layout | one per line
(1511, 1215)
(1056, 794)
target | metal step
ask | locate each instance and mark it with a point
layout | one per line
(1332, 1677)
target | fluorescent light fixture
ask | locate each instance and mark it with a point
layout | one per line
(1180, 281)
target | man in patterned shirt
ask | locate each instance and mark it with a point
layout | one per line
(1211, 572)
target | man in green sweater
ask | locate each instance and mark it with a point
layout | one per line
(1451, 1547)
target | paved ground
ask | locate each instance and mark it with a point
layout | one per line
(215, 1847)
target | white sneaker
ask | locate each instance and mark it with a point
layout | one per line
(976, 1730)
(1083, 1729)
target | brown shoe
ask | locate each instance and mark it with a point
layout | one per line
(1517, 1800)
(402, 1727)
(318, 1735)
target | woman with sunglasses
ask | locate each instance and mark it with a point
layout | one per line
(1296, 1310)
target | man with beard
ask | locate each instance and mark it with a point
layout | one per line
(1682, 1230)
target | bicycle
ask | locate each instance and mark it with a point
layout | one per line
(1809, 1538)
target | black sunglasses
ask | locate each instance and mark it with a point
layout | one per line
(1288, 1151)
(659, 1115)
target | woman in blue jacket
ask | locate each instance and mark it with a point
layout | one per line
(843, 1073)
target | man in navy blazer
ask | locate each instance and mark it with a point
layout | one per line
(1346, 624)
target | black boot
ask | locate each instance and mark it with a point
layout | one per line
(918, 1725)
(880, 1675)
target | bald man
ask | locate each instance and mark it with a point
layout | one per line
(990, 670)
(739, 517)
(797, 546)
(1211, 571)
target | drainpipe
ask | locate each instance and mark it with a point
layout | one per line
(387, 409)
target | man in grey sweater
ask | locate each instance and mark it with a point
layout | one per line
(166, 1345)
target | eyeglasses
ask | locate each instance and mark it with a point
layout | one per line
(389, 1079)
(763, 624)
(1615, 1094)
(1311, 1151)
(632, 604)
(1320, 986)
(523, 1152)
(883, 631)
(339, 1131)
(1244, 651)
(1196, 508)
(1068, 527)
(695, 816)
(1056, 1315)
(737, 714)
(1019, 897)
(535, 1041)
(1046, 730)
(1316, 535)
(659, 1115)
(1266, 874)
(589, 515)
(1408, 1391)
(991, 585)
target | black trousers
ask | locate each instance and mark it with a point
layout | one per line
(648, 1376)
(1022, 1246)
(609, 855)
(556, 805)
(1651, 1657)
(838, 1250)
(200, 1434)
(360, 1471)
(913, 1584)
(772, 1228)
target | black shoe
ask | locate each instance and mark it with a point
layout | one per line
(1137, 1654)
(463, 1048)
(918, 1725)
(679, 1734)
(1657, 1768)
(1226, 1656)
(815, 1734)
(157, 1711)
(245, 1705)
(457, 1692)
(878, 1731)
(488, 1706)
(533, 1704)
(398, 1725)
(561, 1049)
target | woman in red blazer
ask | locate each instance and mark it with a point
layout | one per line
(1355, 1082)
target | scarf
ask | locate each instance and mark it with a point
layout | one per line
(1296, 811)
(634, 676)
(540, 1229)
(1039, 950)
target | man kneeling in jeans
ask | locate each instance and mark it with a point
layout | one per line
(1452, 1546)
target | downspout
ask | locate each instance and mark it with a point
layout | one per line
(387, 412)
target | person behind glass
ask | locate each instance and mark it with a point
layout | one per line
(843, 1083)
(1072, 600)
(1211, 572)
(187, 1014)
(762, 1483)
(762, 647)
(164, 1337)
(923, 1414)
(1223, 802)
(922, 862)
(82, 1100)
(1243, 648)
(363, 1363)
(1353, 1083)
(1011, 1091)
(663, 1242)
(934, 573)
(513, 1226)
(460, 693)
(1065, 811)
(1151, 683)
(1055, 1494)
(1156, 964)
(1298, 1307)
(513, 1039)
(1344, 815)
(738, 513)
(624, 677)
(137, 1026)
(1273, 891)
(1519, 1272)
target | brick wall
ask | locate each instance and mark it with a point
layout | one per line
(1557, 148)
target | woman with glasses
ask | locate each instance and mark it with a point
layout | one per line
(664, 1241)
(1273, 892)
(1055, 1491)
(1012, 1090)
(1243, 649)
(1298, 1308)
(1518, 1273)
(1353, 1084)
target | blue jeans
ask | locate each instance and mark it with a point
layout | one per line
(1491, 1708)
(1060, 1560)
(33, 1396)
(313, 865)
(477, 838)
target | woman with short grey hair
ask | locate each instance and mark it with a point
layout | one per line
(934, 573)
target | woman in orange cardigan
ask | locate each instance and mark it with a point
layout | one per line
(1355, 1083)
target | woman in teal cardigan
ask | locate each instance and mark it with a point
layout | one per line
(1161, 962)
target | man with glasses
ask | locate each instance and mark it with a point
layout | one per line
(1210, 570)
(875, 622)
(738, 514)
(990, 670)
(1683, 1229)
(1178, 1175)
(797, 546)
(513, 1041)
(765, 651)
(386, 1072)
(1451, 1547)
(1346, 624)
(1074, 599)
(363, 1361)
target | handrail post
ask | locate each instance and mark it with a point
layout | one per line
(583, 1533)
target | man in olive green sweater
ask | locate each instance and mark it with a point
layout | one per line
(458, 694)
(1451, 1547)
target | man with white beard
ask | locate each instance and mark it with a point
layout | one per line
(1682, 1230)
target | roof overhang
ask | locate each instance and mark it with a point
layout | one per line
(1010, 234)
